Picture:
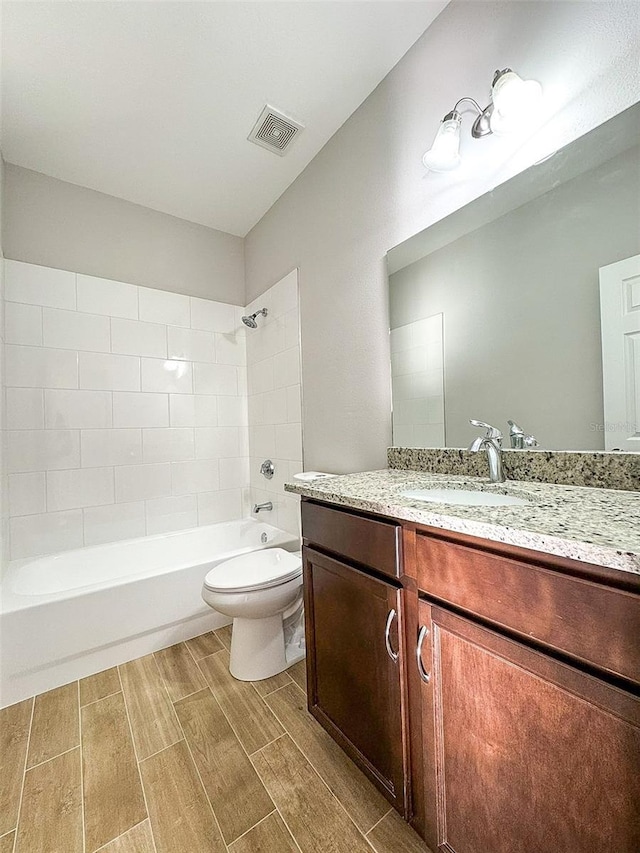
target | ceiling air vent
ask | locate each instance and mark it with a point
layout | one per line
(275, 131)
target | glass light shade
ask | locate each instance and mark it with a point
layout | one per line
(444, 154)
(515, 101)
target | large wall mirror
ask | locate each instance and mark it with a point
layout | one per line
(496, 313)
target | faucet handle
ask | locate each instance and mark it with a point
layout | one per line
(492, 432)
(519, 439)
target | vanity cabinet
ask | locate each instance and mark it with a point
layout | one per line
(522, 752)
(509, 722)
(355, 657)
(525, 715)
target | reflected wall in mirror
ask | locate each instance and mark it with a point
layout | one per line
(417, 371)
(515, 277)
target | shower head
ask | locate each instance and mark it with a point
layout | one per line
(250, 321)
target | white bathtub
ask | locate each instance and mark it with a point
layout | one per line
(69, 615)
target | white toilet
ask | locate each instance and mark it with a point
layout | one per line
(261, 591)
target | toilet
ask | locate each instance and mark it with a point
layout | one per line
(262, 591)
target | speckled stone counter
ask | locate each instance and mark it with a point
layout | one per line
(600, 526)
(598, 469)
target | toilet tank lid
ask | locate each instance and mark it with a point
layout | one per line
(257, 569)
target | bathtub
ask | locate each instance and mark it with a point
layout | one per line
(69, 615)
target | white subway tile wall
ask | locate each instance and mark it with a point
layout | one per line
(126, 410)
(275, 411)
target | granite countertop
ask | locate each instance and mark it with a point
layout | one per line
(599, 526)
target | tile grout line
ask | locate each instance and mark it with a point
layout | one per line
(135, 753)
(195, 766)
(84, 831)
(378, 822)
(247, 754)
(262, 820)
(53, 757)
(233, 728)
(282, 818)
(157, 752)
(122, 834)
(256, 751)
(322, 780)
(107, 696)
(166, 686)
(24, 774)
(271, 692)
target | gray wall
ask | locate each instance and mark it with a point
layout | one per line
(367, 191)
(4, 481)
(521, 306)
(57, 224)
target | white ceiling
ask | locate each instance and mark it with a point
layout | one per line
(152, 101)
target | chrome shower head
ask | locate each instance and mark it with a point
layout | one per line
(250, 321)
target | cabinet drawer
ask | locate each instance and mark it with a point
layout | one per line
(365, 540)
(593, 622)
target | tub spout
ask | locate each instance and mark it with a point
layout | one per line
(259, 507)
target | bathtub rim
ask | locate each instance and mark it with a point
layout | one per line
(11, 601)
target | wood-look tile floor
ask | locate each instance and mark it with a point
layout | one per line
(170, 754)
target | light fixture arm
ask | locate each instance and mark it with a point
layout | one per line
(471, 101)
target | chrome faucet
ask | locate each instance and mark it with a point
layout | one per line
(259, 507)
(519, 439)
(492, 443)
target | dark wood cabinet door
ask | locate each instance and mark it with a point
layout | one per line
(523, 754)
(354, 667)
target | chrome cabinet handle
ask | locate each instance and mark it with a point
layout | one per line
(387, 640)
(424, 675)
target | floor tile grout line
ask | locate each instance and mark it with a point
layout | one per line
(122, 834)
(84, 830)
(195, 659)
(24, 775)
(135, 753)
(224, 645)
(53, 758)
(158, 751)
(174, 702)
(226, 716)
(93, 701)
(242, 746)
(256, 751)
(8, 832)
(204, 790)
(166, 687)
(257, 823)
(312, 766)
(275, 689)
(277, 808)
(378, 822)
(195, 766)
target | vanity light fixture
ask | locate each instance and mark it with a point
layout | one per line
(513, 101)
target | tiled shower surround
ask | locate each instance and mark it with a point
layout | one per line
(126, 410)
(275, 398)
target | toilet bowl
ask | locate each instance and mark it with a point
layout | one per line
(259, 591)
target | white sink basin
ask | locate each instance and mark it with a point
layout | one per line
(462, 497)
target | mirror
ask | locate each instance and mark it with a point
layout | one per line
(495, 311)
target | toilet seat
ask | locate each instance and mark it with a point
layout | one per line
(256, 570)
